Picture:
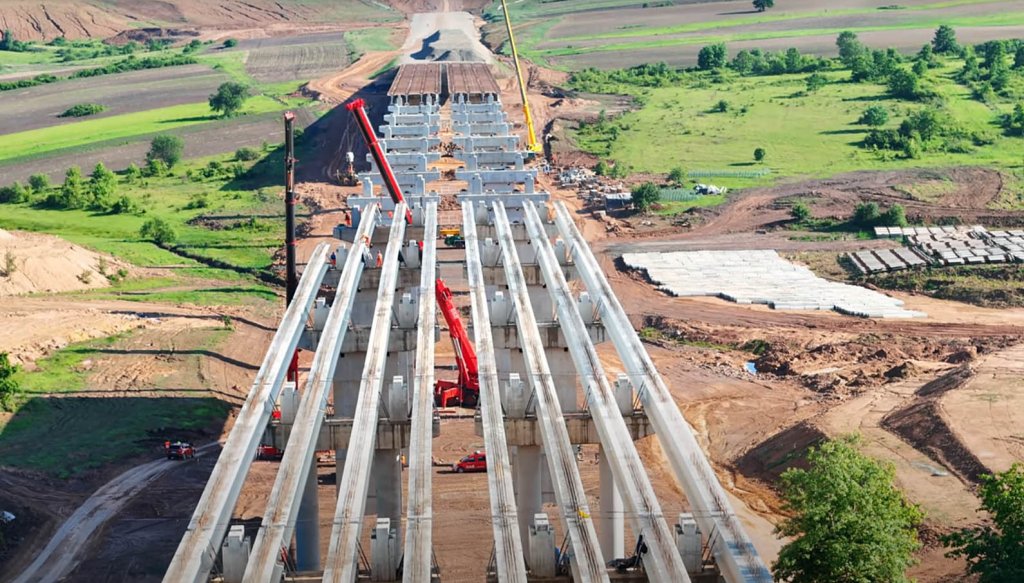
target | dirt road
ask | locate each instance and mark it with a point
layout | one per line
(72, 539)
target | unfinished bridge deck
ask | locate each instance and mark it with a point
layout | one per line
(471, 78)
(417, 79)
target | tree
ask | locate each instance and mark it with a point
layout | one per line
(865, 214)
(1014, 122)
(944, 42)
(721, 107)
(849, 46)
(72, 193)
(816, 81)
(158, 231)
(192, 47)
(849, 521)
(971, 71)
(229, 98)
(8, 386)
(763, 5)
(645, 195)
(794, 61)
(13, 194)
(246, 154)
(132, 174)
(896, 216)
(800, 212)
(995, 552)
(874, 116)
(39, 183)
(166, 148)
(1018, 57)
(230, 43)
(601, 168)
(904, 84)
(677, 175)
(712, 57)
(7, 42)
(102, 184)
(759, 154)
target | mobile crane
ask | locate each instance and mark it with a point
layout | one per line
(466, 390)
(531, 137)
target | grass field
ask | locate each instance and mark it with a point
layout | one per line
(812, 135)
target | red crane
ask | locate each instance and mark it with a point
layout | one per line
(465, 391)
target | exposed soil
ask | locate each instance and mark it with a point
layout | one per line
(44, 263)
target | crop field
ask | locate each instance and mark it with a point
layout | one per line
(804, 134)
(296, 62)
(38, 107)
(615, 34)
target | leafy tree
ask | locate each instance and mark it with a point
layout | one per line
(1014, 122)
(904, 84)
(192, 47)
(874, 116)
(816, 81)
(763, 5)
(71, 194)
(645, 195)
(156, 167)
(102, 184)
(166, 148)
(229, 98)
(944, 42)
(230, 43)
(712, 57)
(896, 216)
(865, 214)
(7, 42)
(995, 552)
(601, 168)
(721, 107)
(1018, 57)
(39, 183)
(677, 175)
(8, 386)
(849, 521)
(158, 231)
(971, 71)
(132, 174)
(13, 194)
(794, 61)
(920, 68)
(759, 154)
(994, 54)
(911, 150)
(923, 123)
(927, 56)
(849, 47)
(800, 212)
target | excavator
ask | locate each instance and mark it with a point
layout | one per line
(465, 391)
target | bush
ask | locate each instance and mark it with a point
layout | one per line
(39, 183)
(8, 386)
(156, 167)
(158, 231)
(800, 212)
(894, 217)
(721, 107)
(246, 154)
(712, 57)
(83, 109)
(904, 84)
(167, 149)
(601, 168)
(230, 43)
(13, 194)
(759, 155)
(874, 116)
(677, 175)
(944, 42)
(645, 195)
(816, 81)
(865, 215)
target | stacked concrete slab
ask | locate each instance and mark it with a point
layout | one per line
(942, 246)
(761, 277)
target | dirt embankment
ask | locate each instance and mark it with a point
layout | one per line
(33, 262)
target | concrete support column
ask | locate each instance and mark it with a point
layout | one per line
(307, 526)
(387, 487)
(564, 374)
(526, 476)
(346, 391)
(611, 520)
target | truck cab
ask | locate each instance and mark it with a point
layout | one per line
(474, 462)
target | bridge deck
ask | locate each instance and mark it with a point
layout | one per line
(471, 78)
(417, 79)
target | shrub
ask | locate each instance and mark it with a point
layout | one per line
(601, 168)
(816, 81)
(677, 175)
(800, 212)
(712, 57)
(896, 216)
(246, 154)
(645, 195)
(13, 194)
(39, 183)
(156, 167)
(865, 215)
(158, 231)
(230, 43)
(759, 155)
(721, 107)
(83, 109)
(904, 84)
(874, 116)
(8, 386)
(944, 41)
(167, 149)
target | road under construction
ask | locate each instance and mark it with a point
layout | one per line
(539, 305)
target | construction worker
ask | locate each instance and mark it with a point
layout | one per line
(380, 259)
(334, 259)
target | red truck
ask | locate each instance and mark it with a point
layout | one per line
(474, 462)
(179, 450)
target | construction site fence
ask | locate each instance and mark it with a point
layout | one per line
(759, 173)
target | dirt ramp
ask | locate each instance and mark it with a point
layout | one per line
(784, 450)
(32, 263)
(923, 426)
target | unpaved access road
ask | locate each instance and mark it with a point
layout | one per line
(70, 541)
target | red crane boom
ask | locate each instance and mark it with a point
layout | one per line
(466, 390)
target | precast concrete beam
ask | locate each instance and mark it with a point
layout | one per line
(494, 161)
(580, 426)
(496, 275)
(734, 553)
(336, 432)
(410, 118)
(474, 117)
(407, 277)
(405, 179)
(549, 334)
(491, 177)
(487, 143)
(662, 562)
(587, 561)
(509, 564)
(358, 339)
(406, 109)
(422, 144)
(279, 520)
(481, 129)
(202, 539)
(416, 131)
(462, 107)
(353, 485)
(419, 513)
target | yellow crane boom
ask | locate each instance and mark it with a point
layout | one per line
(531, 137)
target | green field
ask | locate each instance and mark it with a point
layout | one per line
(807, 135)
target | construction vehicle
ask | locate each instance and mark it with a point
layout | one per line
(466, 390)
(455, 241)
(531, 136)
(347, 173)
(445, 232)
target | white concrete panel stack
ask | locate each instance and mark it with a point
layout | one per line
(761, 277)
